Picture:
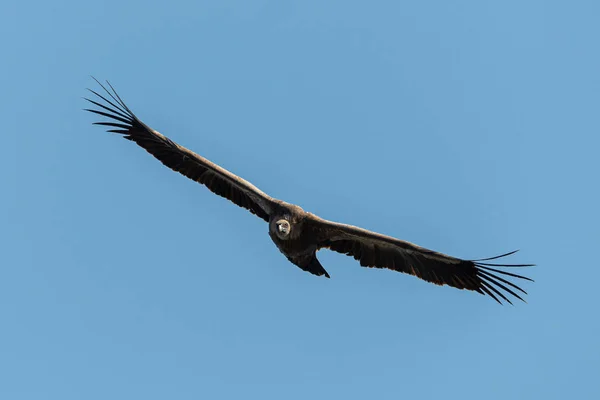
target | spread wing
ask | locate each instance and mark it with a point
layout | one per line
(178, 158)
(372, 249)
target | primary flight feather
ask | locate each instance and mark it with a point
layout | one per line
(299, 234)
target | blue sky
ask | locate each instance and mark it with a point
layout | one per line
(467, 127)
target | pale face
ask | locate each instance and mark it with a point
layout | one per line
(283, 228)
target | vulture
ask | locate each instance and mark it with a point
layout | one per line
(299, 234)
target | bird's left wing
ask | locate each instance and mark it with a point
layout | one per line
(372, 249)
(178, 158)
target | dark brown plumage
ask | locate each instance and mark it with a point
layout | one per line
(299, 234)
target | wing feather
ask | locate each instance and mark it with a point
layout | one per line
(178, 158)
(375, 250)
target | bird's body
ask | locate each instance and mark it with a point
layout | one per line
(299, 234)
(302, 243)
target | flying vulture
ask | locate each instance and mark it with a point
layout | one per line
(299, 234)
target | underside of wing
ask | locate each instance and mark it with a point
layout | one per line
(218, 180)
(379, 251)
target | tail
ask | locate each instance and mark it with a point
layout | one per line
(310, 263)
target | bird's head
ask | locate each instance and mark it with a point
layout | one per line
(283, 228)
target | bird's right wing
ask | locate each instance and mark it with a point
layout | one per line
(373, 249)
(178, 158)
